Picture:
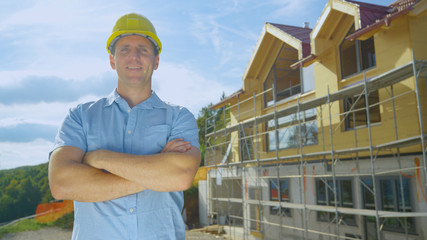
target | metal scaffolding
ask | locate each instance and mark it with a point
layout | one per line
(257, 196)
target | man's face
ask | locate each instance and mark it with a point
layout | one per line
(134, 61)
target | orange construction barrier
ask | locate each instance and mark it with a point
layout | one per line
(49, 212)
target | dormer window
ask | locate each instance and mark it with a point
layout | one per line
(356, 55)
(286, 79)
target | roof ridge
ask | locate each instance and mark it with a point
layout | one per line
(367, 4)
(400, 5)
(289, 26)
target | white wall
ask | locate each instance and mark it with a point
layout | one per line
(203, 217)
(308, 78)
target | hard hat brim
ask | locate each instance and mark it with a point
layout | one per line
(119, 34)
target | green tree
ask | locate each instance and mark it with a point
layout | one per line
(8, 208)
(21, 190)
(29, 197)
(204, 114)
(208, 120)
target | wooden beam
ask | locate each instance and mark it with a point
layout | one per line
(266, 60)
(334, 26)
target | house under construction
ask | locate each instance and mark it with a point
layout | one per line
(327, 137)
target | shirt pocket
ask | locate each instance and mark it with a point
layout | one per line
(157, 224)
(155, 138)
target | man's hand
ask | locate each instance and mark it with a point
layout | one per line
(177, 145)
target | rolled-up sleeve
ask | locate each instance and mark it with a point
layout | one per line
(71, 132)
(185, 126)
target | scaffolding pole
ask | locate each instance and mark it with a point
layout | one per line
(374, 189)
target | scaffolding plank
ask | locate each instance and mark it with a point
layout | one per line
(410, 141)
(331, 209)
(403, 142)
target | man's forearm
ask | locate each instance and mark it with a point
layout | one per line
(71, 179)
(170, 171)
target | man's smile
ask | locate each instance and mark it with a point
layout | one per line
(132, 68)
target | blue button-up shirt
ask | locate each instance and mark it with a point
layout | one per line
(110, 123)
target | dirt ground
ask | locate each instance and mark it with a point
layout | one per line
(55, 233)
(42, 234)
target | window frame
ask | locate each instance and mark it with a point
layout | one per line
(293, 90)
(396, 198)
(278, 210)
(349, 220)
(360, 54)
(350, 101)
(308, 122)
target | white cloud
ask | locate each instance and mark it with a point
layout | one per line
(291, 8)
(15, 121)
(64, 67)
(200, 28)
(235, 73)
(13, 78)
(183, 86)
(38, 113)
(14, 155)
(60, 38)
(67, 18)
(217, 30)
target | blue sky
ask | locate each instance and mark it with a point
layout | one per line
(53, 56)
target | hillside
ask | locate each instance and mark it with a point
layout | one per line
(21, 190)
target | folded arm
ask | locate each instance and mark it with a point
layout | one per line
(70, 179)
(78, 176)
(171, 170)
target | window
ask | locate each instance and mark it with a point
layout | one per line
(288, 130)
(325, 197)
(283, 185)
(356, 55)
(391, 199)
(355, 107)
(286, 79)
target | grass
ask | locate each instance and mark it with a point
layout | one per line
(65, 222)
(23, 225)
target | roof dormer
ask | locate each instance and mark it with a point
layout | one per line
(337, 18)
(270, 45)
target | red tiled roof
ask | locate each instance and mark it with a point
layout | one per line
(400, 5)
(369, 13)
(300, 33)
(303, 34)
(393, 11)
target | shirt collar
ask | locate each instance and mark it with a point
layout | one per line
(152, 102)
(114, 96)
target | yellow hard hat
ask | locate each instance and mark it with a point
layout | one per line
(133, 24)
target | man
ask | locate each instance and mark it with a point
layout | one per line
(125, 159)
